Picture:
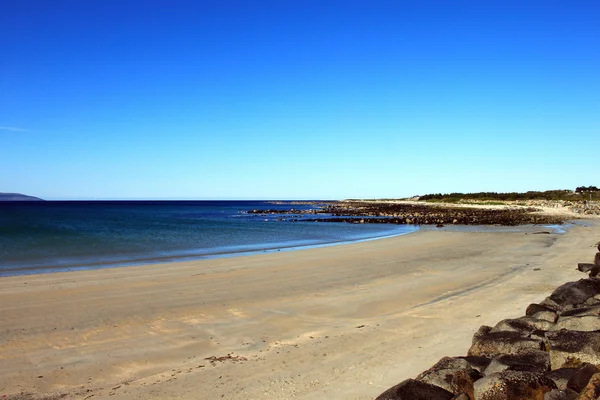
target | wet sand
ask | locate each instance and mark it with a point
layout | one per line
(341, 322)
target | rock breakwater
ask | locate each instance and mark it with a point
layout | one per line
(550, 353)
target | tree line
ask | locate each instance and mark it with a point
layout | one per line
(584, 189)
(531, 195)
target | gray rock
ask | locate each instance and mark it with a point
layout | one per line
(549, 316)
(582, 376)
(561, 376)
(513, 385)
(506, 342)
(585, 323)
(535, 361)
(412, 389)
(568, 348)
(525, 325)
(561, 394)
(541, 312)
(453, 374)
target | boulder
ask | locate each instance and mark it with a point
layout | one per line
(561, 376)
(592, 390)
(551, 304)
(525, 325)
(591, 309)
(561, 394)
(453, 374)
(549, 316)
(574, 293)
(582, 376)
(541, 312)
(535, 361)
(585, 323)
(412, 389)
(513, 385)
(569, 348)
(477, 363)
(594, 271)
(504, 342)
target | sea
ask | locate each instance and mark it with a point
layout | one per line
(52, 236)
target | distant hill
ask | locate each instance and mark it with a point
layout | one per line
(17, 197)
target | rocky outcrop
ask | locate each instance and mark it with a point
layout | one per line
(415, 214)
(551, 353)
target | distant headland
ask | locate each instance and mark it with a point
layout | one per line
(18, 197)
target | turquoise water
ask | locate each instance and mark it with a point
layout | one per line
(38, 237)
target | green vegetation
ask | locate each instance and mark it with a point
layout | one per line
(581, 193)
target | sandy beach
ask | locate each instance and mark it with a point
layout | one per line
(340, 322)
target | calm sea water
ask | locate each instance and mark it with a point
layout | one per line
(39, 237)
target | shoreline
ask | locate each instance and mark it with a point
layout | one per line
(243, 253)
(332, 322)
(170, 259)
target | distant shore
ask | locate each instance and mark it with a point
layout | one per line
(440, 213)
(341, 322)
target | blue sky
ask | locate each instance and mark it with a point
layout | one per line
(296, 99)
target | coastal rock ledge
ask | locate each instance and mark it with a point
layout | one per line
(551, 353)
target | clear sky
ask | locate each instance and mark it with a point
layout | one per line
(297, 99)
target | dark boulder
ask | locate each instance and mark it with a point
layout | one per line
(574, 293)
(453, 374)
(513, 385)
(580, 379)
(552, 305)
(478, 363)
(561, 376)
(535, 361)
(582, 311)
(594, 271)
(570, 348)
(412, 389)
